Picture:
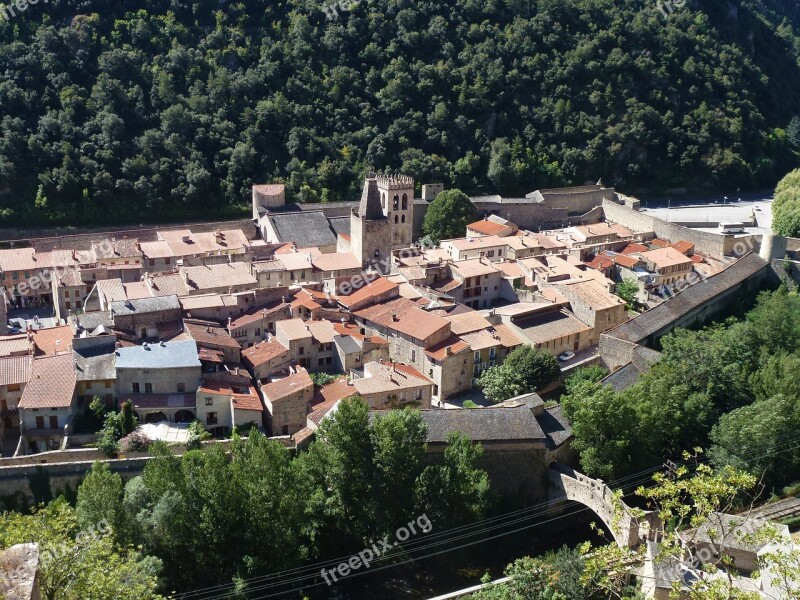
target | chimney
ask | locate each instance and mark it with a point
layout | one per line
(449, 350)
(395, 318)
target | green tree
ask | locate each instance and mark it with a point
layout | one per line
(793, 132)
(526, 369)
(80, 565)
(786, 206)
(457, 490)
(448, 216)
(100, 498)
(627, 290)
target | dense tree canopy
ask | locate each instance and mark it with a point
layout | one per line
(786, 206)
(211, 518)
(174, 108)
(741, 396)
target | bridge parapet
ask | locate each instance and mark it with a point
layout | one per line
(628, 530)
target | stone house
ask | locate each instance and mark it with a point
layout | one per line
(481, 282)
(255, 325)
(266, 358)
(142, 318)
(223, 405)
(310, 343)
(213, 342)
(490, 247)
(520, 438)
(157, 257)
(15, 373)
(47, 403)
(287, 401)
(95, 369)
(160, 379)
(392, 385)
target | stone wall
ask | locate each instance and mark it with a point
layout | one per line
(705, 242)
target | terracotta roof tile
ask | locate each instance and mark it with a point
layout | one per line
(52, 383)
(53, 341)
(264, 352)
(291, 384)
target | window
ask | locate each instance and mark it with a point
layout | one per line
(53, 422)
(67, 305)
(285, 430)
(403, 219)
(396, 219)
(395, 202)
(258, 331)
(303, 274)
(209, 401)
(152, 262)
(107, 384)
(76, 293)
(148, 388)
(66, 293)
(211, 418)
(405, 204)
(39, 422)
(135, 388)
(167, 260)
(301, 350)
(477, 357)
(320, 362)
(329, 360)
(490, 253)
(358, 358)
(78, 304)
(181, 388)
(14, 387)
(499, 253)
(413, 356)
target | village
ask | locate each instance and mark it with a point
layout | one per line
(228, 326)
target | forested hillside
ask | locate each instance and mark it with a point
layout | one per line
(114, 112)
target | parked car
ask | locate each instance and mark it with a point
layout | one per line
(565, 356)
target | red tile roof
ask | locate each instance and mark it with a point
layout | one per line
(52, 383)
(439, 351)
(371, 291)
(683, 246)
(291, 384)
(213, 335)
(486, 227)
(633, 247)
(53, 341)
(264, 352)
(245, 397)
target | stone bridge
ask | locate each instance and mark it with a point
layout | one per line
(628, 530)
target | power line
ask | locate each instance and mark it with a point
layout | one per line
(466, 531)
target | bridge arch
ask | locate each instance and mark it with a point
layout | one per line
(628, 530)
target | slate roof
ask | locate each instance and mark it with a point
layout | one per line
(52, 383)
(96, 363)
(651, 321)
(370, 204)
(505, 424)
(166, 355)
(555, 426)
(306, 229)
(340, 225)
(623, 378)
(146, 305)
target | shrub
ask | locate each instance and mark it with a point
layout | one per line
(134, 442)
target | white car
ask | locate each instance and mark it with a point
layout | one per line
(565, 356)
